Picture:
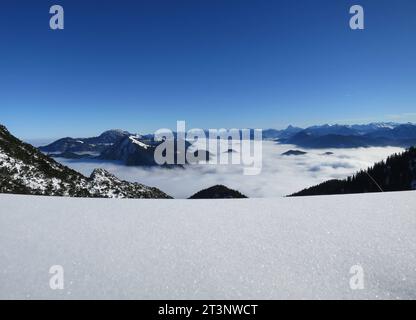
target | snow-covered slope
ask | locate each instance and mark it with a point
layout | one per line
(194, 249)
(25, 170)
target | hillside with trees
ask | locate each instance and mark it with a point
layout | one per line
(396, 173)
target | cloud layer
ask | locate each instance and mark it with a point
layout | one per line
(280, 175)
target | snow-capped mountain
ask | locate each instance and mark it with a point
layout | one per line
(306, 139)
(354, 136)
(326, 129)
(403, 131)
(26, 170)
(272, 134)
(374, 126)
(94, 144)
(132, 151)
(139, 151)
(346, 136)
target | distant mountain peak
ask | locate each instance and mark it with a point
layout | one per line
(116, 130)
(93, 144)
(291, 128)
(119, 132)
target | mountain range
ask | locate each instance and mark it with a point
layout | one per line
(137, 149)
(26, 170)
(354, 136)
(118, 145)
(94, 144)
(338, 129)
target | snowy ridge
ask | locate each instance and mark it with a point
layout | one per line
(135, 140)
(28, 176)
(25, 170)
(94, 144)
(105, 184)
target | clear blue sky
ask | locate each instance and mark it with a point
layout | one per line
(142, 65)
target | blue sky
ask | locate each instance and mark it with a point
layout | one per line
(142, 65)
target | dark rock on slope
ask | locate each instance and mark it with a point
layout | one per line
(294, 153)
(218, 192)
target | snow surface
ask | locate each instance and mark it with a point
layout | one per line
(139, 143)
(209, 249)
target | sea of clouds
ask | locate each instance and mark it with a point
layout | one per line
(280, 175)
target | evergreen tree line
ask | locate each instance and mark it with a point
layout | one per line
(396, 173)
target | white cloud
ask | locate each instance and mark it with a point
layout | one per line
(280, 176)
